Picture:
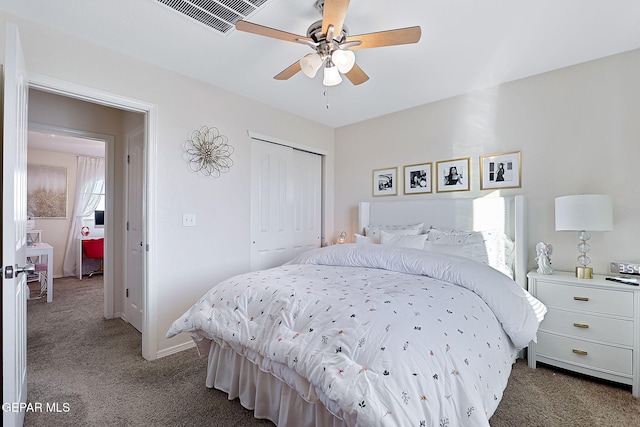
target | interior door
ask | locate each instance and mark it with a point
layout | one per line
(271, 200)
(307, 201)
(286, 203)
(134, 303)
(14, 241)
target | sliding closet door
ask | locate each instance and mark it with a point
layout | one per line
(307, 201)
(285, 203)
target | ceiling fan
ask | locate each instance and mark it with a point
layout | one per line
(333, 46)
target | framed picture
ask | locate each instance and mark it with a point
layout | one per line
(453, 175)
(418, 179)
(385, 182)
(46, 191)
(500, 170)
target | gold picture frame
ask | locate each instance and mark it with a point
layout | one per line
(453, 175)
(385, 182)
(418, 178)
(501, 170)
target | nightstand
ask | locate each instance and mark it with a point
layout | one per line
(592, 327)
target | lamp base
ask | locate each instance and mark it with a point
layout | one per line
(583, 272)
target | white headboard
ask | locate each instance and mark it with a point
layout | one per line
(487, 213)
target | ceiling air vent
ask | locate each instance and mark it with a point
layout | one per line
(221, 15)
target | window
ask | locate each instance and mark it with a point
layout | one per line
(96, 197)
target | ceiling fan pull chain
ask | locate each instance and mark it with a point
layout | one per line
(326, 94)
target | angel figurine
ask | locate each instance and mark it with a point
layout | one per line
(543, 257)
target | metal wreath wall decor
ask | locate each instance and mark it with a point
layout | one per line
(209, 152)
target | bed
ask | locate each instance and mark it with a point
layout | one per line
(397, 331)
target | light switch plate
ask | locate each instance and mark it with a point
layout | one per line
(188, 220)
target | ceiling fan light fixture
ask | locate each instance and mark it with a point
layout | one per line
(310, 64)
(331, 74)
(344, 60)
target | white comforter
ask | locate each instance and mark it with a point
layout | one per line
(399, 337)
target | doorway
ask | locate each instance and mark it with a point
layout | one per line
(115, 227)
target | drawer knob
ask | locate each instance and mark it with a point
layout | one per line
(580, 352)
(581, 325)
(581, 298)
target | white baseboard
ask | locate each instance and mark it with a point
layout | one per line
(176, 349)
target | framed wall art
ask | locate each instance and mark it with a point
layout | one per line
(418, 179)
(46, 191)
(385, 182)
(502, 170)
(453, 175)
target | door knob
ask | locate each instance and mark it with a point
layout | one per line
(9, 270)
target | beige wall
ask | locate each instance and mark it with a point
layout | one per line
(578, 129)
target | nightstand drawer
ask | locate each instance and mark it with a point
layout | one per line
(605, 301)
(585, 353)
(581, 325)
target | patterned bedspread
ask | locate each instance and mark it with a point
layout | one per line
(399, 337)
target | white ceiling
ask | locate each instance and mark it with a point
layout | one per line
(465, 45)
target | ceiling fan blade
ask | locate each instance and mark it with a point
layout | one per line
(387, 38)
(356, 75)
(288, 72)
(261, 30)
(334, 13)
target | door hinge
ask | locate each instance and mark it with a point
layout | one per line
(128, 159)
(127, 225)
(127, 292)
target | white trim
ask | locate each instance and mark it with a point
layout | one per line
(176, 349)
(279, 141)
(85, 93)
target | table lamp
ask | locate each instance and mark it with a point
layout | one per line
(584, 213)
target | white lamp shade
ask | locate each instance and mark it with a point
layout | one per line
(589, 212)
(310, 64)
(344, 60)
(331, 75)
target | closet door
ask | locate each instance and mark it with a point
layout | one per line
(307, 201)
(285, 203)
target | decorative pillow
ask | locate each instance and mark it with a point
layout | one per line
(406, 241)
(454, 236)
(361, 240)
(401, 230)
(492, 247)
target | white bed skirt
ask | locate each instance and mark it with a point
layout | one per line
(275, 392)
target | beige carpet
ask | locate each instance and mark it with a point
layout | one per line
(91, 371)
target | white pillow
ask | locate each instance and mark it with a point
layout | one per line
(361, 240)
(491, 247)
(409, 241)
(402, 230)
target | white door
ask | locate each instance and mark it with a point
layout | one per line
(14, 216)
(271, 198)
(285, 203)
(307, 201)
(134, 306)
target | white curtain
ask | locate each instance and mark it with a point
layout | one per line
(89, 184)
